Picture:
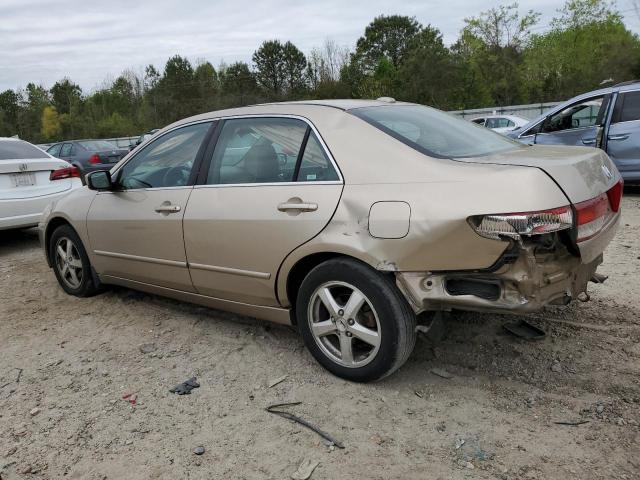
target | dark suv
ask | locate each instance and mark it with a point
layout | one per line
(88, 155)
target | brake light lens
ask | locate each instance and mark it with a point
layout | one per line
(94, 159)
(62, 173)
(524, 223)
(615, 195)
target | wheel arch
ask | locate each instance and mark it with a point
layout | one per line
(54, 223)
(300, 269)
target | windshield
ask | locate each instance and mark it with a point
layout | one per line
(19, 150)
(435, 133)
(97, 145)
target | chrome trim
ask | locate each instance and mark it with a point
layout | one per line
(152, 189)
(231, 271)
(138, 258)
(271, 184)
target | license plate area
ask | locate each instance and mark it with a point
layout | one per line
(23, 179)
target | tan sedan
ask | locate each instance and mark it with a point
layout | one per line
(345, 218)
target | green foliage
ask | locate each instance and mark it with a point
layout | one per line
(280, 68)
(501, 57)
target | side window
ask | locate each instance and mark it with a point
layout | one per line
(257, 150)
(578, 115)
(66, 150)
(166, 162)
(510, 123)
(627, 107)
(55, 150)
(315, 166)
(479, 121)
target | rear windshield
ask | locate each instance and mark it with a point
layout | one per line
(435, 133)
(19, 150)
(97, 145)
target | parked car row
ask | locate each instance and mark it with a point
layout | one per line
(88, 155)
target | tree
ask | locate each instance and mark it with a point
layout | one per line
(64, 93)
(238, 79)
(587, 45)
(279, 68)
(50, 123)
(386, 37)
(9, 109)
(426, 74)
(494, 43)
(269, 67)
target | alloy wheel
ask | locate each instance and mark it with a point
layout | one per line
(68, 262)
(344, 324)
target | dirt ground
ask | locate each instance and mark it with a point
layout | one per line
(65, 364)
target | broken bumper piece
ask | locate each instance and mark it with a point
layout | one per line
(525, 285)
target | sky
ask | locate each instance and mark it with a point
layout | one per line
(92, 42)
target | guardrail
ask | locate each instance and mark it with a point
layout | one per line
(529, 111)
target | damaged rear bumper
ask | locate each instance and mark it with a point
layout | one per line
(530, 277)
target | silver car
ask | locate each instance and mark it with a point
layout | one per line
(344, 218)
(608, 119)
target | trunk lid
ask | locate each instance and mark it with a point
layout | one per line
(29, 178)
(583, 173)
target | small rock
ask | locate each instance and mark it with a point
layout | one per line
(148, 348)
(556, 367)
(305, 470)
(459, 443)
(198, 450)
(469, 465)
(128, 442)
(34, 411)
(441, 373)
(620, 421)
(276, 381)
(599, 409)
(11, 451)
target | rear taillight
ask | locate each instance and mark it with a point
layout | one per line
(525, 223)
(592, 215)
(615, 195)
(94, 159)
(62, 173)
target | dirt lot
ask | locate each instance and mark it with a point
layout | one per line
(65, 364)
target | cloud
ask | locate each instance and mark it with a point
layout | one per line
(44, 41)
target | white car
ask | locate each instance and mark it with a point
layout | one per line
(29, 180)
(500, 123)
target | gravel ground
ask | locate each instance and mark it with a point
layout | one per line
(66, 363)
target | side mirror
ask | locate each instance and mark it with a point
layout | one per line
(100, 180)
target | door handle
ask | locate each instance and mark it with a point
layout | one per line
(589, 141)
(302, 207)
(619, 137)
(168, 209)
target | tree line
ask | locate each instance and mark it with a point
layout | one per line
(503, 56)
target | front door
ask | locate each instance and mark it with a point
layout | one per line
(271, 186)
(135, 232)
(623, 140)
(578, 124)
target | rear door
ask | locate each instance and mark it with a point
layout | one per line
(623, 140)
(135, 232)
(271, 186)
(66, 152)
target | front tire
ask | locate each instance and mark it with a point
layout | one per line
(354, 320)
(71, 263)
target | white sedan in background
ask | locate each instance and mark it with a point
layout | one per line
(29, 180)
(500, 123)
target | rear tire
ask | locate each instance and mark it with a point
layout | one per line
(71, 263)
(354, 320)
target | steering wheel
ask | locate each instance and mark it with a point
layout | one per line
(176, 176)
